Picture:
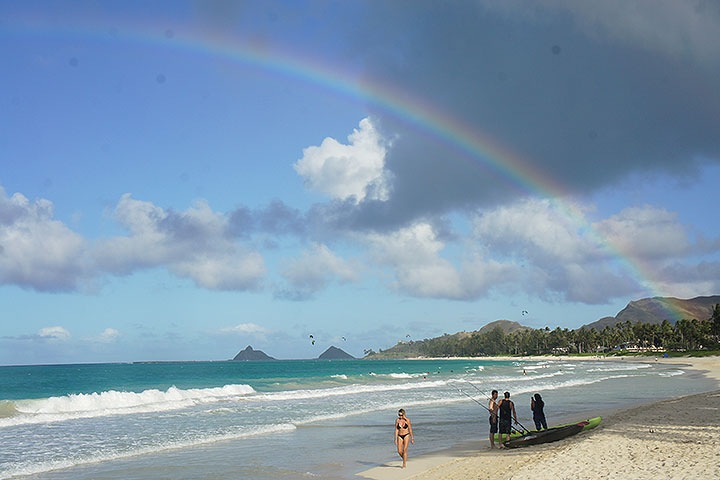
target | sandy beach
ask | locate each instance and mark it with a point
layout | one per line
(676, 438)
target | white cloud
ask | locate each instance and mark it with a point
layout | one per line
(566, 258)
(194, 243)
(108, 335)
(590, 283)
(685, 280)
(414, 254)
(561, 258)
(54, 333)
(234, 271)
(344, 171)
(534, 229)
(37, 251)
(531, 246)
(247, 329)
(315, 269)
(645, 232)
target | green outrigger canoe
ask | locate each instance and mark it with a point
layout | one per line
(591, 423)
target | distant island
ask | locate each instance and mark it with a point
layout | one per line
(646, 325)
(334, 353)
(249, 355)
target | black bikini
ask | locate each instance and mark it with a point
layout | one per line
(401, 428)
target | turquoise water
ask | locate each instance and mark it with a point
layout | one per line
(283, 419)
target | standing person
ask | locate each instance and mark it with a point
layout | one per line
(493, 406)
(506, 408)
(537, 405)
(403, 428)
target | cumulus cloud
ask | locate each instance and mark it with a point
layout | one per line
(646, 232)
(568, 258)
(562, 258)
(108, 335)
(690, 279)
(195, 243)
(37, 251)
(591, 283)
(54, 333)
(223, 272)
(42, 253)
(276, 218)
(247, 329)
(414, 254)
(314, 270)
(353, 171)
(534, 229)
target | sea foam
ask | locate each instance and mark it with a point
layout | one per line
(348, 390)
(87, 405)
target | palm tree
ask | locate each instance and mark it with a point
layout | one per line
(715, 322)
(667, 333)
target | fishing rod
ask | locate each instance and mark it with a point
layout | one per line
(476, 388)
(471, 398)
(490, 411)
(486, 396)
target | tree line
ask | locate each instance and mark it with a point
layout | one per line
(684, 335)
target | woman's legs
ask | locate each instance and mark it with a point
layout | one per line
(406, 442)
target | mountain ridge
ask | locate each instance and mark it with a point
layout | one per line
(655, 309)
(507, 326)
(647, 310)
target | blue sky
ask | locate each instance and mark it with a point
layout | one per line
(165, 197)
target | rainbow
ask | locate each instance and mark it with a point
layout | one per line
(477, 146)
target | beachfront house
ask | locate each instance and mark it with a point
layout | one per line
(633, 347)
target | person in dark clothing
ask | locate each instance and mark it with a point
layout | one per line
(537, 405)
(506, 407)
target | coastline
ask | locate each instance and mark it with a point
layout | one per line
(710, 366)
(645, 441)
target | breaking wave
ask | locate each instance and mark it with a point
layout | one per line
(88, 405)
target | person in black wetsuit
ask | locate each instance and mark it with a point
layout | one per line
(403, 430)
(537, 405)
(506, 408)
(493, 406)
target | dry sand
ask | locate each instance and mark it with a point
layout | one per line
(676, 438)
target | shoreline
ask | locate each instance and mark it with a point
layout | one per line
(710, 366)
(654, 443)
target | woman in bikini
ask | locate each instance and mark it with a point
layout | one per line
(403, 429)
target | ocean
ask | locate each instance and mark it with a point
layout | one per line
(285, 419)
